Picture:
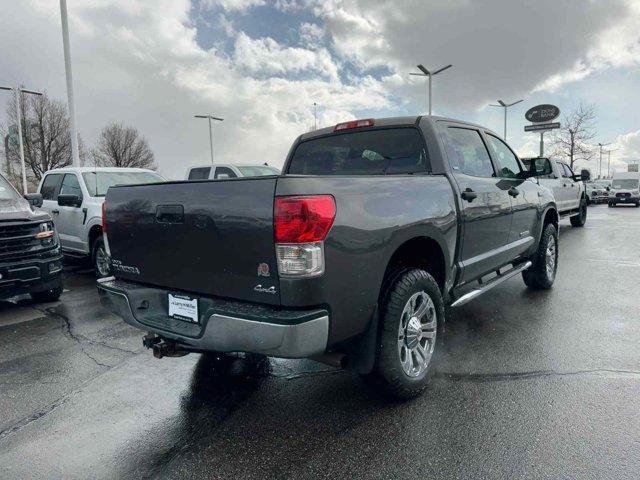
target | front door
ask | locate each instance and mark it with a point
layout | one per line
(70, 219)
(523, 194)
(485, 205)
(571, 189)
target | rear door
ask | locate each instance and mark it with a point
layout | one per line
(522, 193)
(485, 205)
(49, 189)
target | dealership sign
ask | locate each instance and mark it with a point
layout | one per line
(536, 127)
(542, 113)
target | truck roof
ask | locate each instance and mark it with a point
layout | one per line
(99, 169)
(392, 121)
(622, 175)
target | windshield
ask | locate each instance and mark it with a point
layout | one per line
(7, 192)
(257, 170)
(99, 182)
(625, 183)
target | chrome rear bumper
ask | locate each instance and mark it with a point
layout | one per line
(224, 332)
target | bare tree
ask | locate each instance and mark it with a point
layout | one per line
(120, 146)
(572, 140)
(45, 135)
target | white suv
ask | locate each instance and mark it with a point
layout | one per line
(73, 196)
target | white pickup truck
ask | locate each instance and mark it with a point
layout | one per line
(568, 189)
(73, 196)
(220, 172)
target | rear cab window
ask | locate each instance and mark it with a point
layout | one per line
(381, 151)
(201, 173)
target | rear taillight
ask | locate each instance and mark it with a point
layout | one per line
(104, 217)
(300, 224)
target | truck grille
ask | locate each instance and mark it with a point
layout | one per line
(623, 195)
(18, 241)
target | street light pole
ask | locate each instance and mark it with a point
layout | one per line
(315, 116)
(600, 163)
(17, 91)
(75, 155)
(429, 74)
(505, 106)
(210, 117)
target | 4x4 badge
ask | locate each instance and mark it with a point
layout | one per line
(263, 270)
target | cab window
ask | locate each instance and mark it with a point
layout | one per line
(467, 152)
(199, 173)
(508, 164)
(51, 186)
(70, 186)
(566, 171)
(224, 172)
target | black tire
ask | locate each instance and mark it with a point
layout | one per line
(97, 250)
(581, 218)
(538, 275)
(389, 375)
(47, 295)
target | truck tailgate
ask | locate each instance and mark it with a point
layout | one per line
(212, 238)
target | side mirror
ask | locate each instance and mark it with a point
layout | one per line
(222, 176)
(69, 200)
(539, 167)
(585, 175)
(34, 199)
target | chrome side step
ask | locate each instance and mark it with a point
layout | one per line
(467, 297)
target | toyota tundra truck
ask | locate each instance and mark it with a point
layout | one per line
(349, 256)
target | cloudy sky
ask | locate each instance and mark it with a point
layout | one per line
(261, 64)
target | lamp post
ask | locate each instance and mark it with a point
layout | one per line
(505, 106)
(600, 163)
(429, 74)
(75, 155)
(609, 160)
(17, 91)
(210, 117)
(315, 116)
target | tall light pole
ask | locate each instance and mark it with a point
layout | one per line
(609, 160)
(210, 117)
(75, 156)
(600, 163)
(429, 74)
(505, 106)
(17, 91)
(315, 116)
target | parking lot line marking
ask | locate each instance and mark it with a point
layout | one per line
(622, 263)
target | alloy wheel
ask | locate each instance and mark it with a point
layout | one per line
(417, 334)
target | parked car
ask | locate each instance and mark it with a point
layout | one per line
(220, 172)
(625, 189)
(30, 258)
(351, 254)
(568, 190)
(74, 196)
(596, 193)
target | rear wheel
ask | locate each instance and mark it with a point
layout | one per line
(100, 259)
(412, 314)
(581, 218)
(542, 273)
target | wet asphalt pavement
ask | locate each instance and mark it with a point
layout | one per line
(531, 385)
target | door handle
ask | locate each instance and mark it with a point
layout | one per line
(55, 212)
(513, 191)
(469, 195)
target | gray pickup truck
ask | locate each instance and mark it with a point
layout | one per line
(349, 256)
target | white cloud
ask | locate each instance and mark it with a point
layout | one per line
(231, 5)
(265, 56)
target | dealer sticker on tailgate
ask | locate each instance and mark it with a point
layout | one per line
(183, 308)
